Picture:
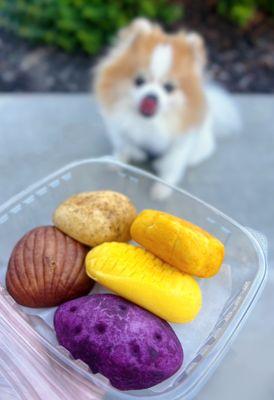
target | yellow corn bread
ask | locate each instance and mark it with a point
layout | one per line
(178, 242)
(139, 276)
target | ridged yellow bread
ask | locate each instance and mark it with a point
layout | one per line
(139, 276)
(178, 242)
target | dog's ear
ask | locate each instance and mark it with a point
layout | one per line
(138, 25)
(197, 45)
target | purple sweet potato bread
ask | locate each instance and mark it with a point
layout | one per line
(133, 348)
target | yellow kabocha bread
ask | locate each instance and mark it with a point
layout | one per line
(178, 242)
(139, 276)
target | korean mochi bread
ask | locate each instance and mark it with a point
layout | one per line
(46, 268)
(178, 242)
(139, 276)
(96, 217)
(127, 344)
(127, 338)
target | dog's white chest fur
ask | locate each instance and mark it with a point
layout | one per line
(152, 135)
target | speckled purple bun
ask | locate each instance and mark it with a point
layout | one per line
(127, 344)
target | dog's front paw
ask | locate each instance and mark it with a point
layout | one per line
(137, 155)
(123, 157)
(160, 192)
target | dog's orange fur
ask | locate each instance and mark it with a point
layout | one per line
(118, 70)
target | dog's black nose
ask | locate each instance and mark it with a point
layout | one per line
(152, 97)
(148, 105)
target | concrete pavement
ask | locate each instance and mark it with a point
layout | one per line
(40, 133)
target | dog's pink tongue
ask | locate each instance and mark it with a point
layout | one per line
(148, 106)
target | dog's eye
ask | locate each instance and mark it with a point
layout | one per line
(139, 80)
(169, 87)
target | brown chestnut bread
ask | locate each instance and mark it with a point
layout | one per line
(46, 268)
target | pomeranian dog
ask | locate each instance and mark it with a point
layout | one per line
(152, 92)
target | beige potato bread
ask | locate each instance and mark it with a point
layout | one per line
(96, 217)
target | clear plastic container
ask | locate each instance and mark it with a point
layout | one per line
(32, 364)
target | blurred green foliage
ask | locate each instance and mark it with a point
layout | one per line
(239, 11)
(80, 24)
(243, 11)
(88, 25)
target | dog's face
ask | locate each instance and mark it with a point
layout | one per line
(154, 89)
(154, 77)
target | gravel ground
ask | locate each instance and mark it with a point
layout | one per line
(241, 60)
